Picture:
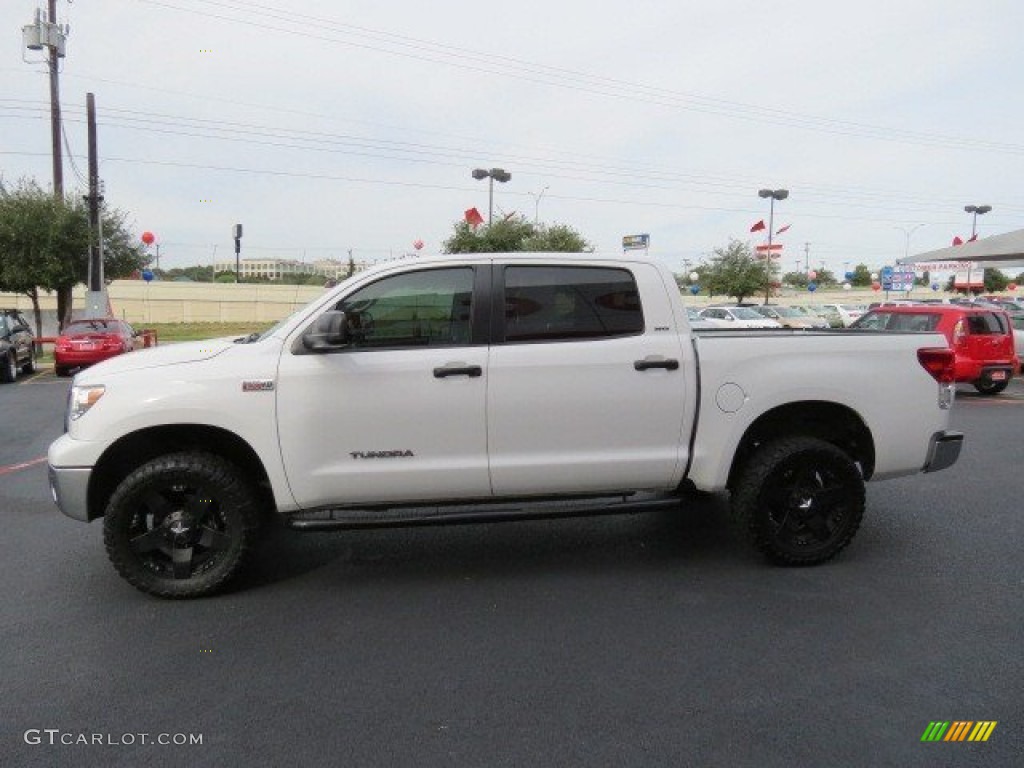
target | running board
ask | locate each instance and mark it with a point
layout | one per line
(402, 517)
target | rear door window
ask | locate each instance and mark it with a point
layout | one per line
(985, 323)
(544, 303)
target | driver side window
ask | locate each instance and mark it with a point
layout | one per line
(415, 309)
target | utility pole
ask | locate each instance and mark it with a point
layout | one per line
(58, 158)
(47, 34)
(96, 300)
(807, 257)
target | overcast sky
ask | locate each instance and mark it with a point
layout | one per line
(329, 126)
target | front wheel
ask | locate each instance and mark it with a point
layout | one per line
(986, 387)
(181, 525)
(799, 500)
(30, 364)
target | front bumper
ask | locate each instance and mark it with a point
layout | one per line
(943, 450)
(70, 489)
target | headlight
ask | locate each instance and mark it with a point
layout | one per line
(82, 399)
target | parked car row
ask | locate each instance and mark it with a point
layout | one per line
(81, 343)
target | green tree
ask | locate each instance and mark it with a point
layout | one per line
(861, 276)
(44, 245)
(995, 280)
(512, 234)
(796, 279)
(735, 271)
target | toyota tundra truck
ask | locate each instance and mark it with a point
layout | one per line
(492, 387)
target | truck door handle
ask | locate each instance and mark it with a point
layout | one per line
(656, 362)
(458, 369)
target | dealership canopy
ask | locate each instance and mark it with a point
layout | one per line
(998, 249)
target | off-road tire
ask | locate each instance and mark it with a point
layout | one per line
(990, 387)
(182, 525)
(798, 500)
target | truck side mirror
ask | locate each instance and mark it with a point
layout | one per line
(330, 331)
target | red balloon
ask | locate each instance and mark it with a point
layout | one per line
(417, 244)
(1011, 287)
(148, 238)
(876, 287)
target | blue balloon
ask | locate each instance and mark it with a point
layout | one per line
(694, 289)
(147, 275)
(849, 275)
(935, 286)
(812, 287)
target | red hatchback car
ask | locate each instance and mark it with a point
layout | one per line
(981, 339)
(84, 342)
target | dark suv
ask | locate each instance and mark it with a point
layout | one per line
(17, 345)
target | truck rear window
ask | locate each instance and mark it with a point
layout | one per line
(554, 303)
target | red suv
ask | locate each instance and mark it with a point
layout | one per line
(981, 339)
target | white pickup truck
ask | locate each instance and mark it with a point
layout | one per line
(458, 388)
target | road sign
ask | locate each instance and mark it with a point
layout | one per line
(636, 242)
(897, 281)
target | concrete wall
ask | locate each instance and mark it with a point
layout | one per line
(139, 302)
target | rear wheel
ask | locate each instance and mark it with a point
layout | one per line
(30, 364)
(9, 368)
(799, 500)
(986, 387)
(181, 525)
(61, 370)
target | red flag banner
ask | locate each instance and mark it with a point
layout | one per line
(473, 218)
(758, 227)
(957, 240)
(780, 231)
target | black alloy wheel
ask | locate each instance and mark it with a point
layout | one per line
(799, 500)
(181, 525)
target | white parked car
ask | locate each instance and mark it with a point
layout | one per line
(737, 317)
(842, 315)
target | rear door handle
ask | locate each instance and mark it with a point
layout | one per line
(656, 362)
(458, 369)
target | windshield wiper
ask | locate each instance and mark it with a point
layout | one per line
(248, 339)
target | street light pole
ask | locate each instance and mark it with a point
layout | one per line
(772, 195)
(908, 233)
(536, 203)
(495, 174)
(975, 210)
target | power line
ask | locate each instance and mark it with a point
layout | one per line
(491, 63)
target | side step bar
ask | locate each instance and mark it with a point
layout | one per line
(396, 517)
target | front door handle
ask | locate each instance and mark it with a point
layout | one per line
(458, 369)
(656, 362)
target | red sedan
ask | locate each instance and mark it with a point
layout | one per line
(84, 342)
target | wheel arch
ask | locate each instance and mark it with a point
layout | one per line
(832, 422)
(133, 450)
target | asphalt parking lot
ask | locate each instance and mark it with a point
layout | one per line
(654, 639)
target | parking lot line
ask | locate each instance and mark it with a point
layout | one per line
(23, 465)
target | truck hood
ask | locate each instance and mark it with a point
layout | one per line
(157, 357)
